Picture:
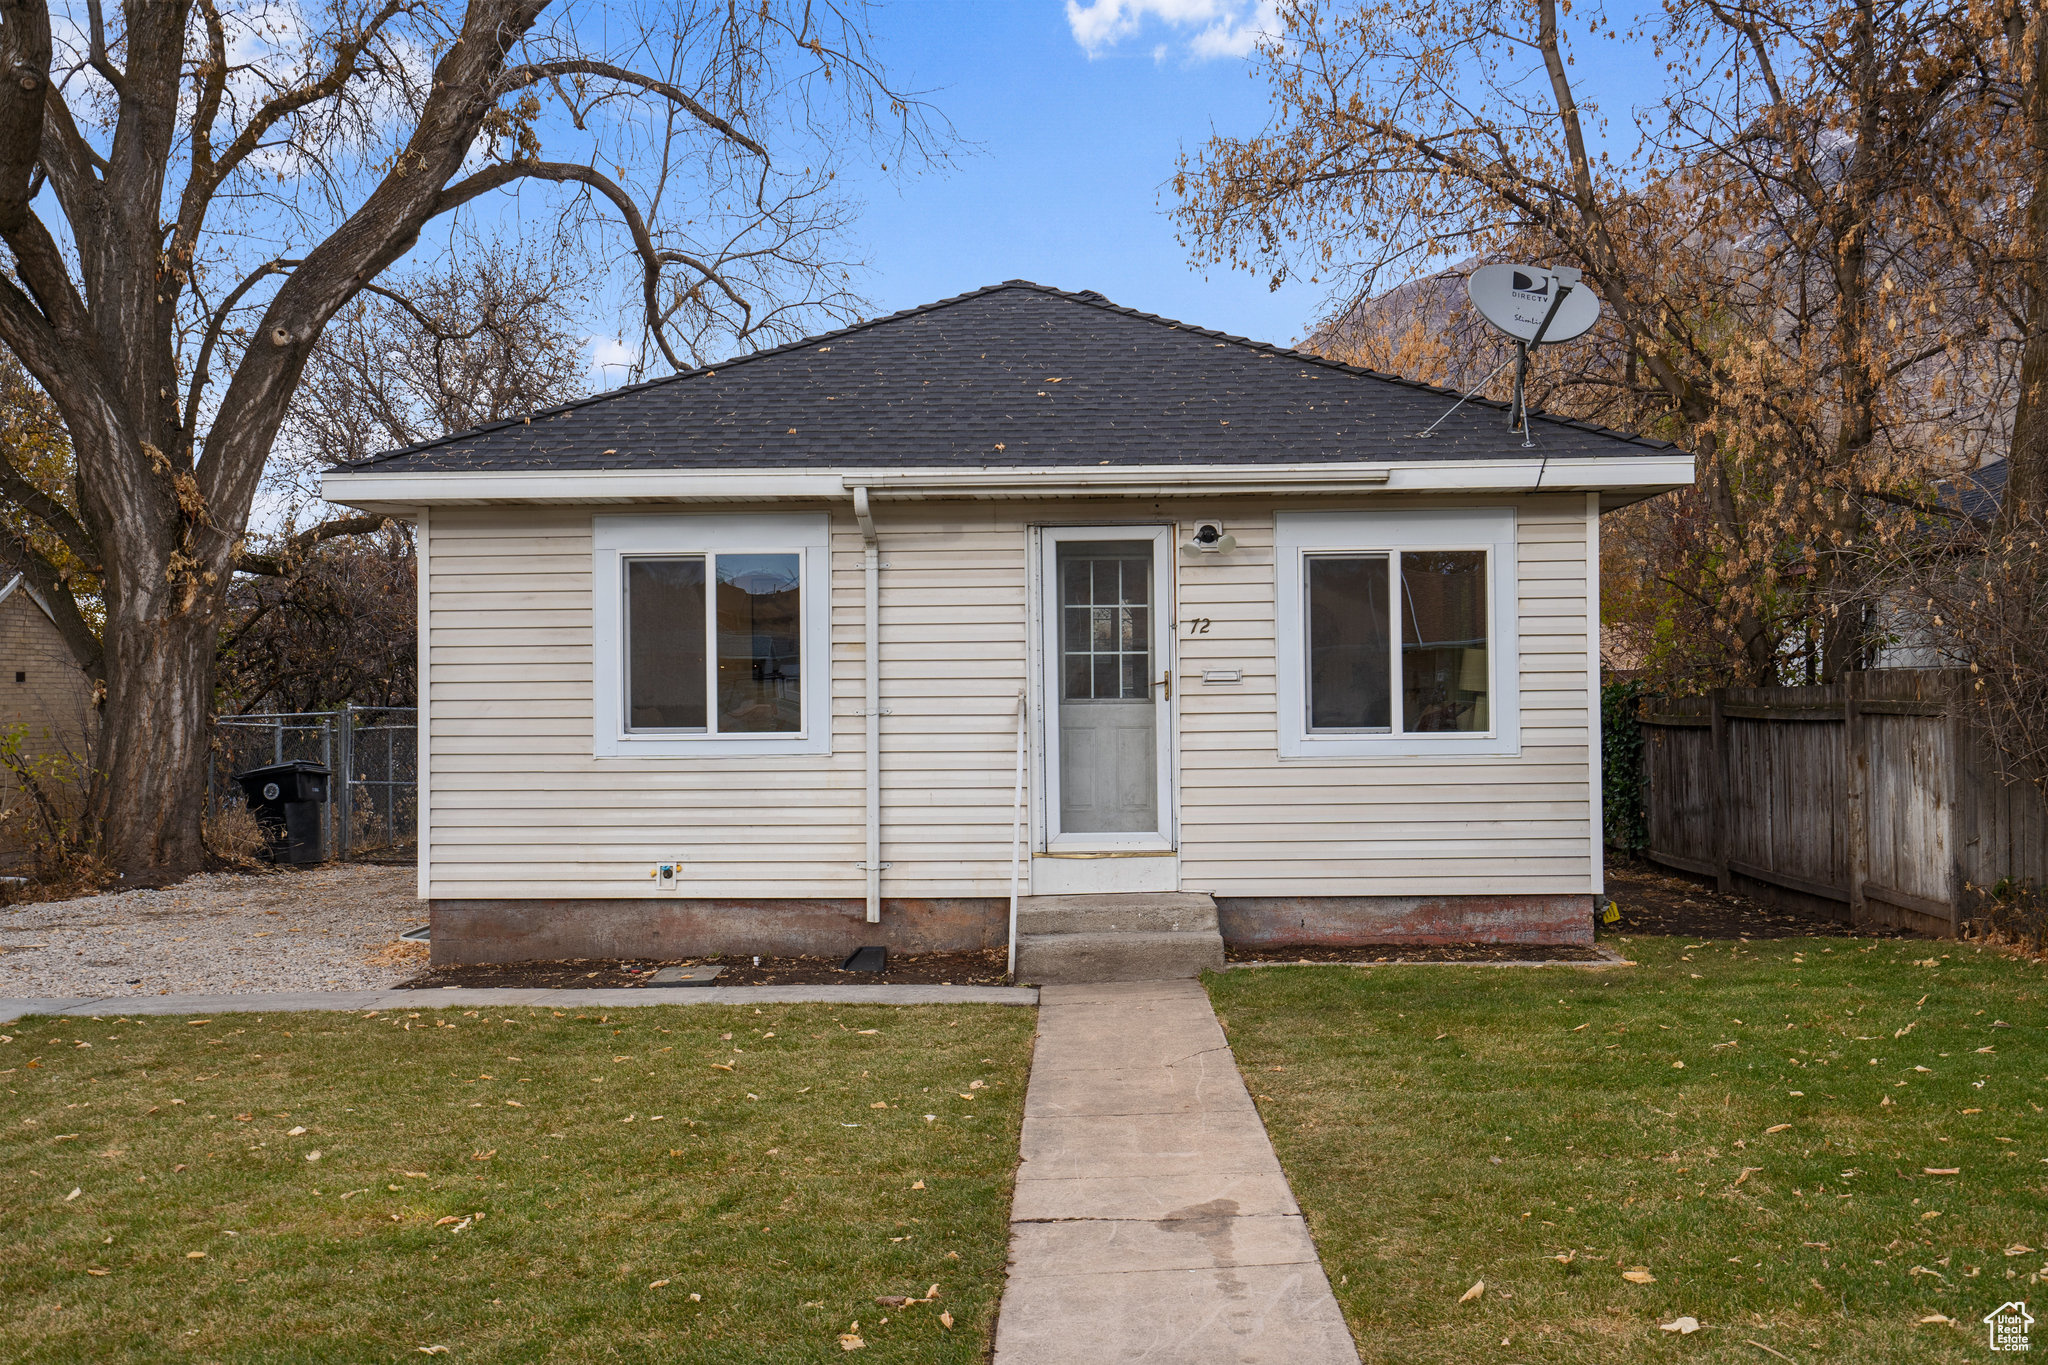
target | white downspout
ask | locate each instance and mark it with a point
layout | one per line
(871, 706)
(1017, 836)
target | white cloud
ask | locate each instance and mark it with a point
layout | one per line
(611, 362)
(1212, 28)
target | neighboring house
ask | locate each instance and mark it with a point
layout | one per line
(1275, 646)
(1905, 639)
(42, 694)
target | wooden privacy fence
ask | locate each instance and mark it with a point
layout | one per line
(1871, 799)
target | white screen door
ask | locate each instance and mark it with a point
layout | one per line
(1106, 605)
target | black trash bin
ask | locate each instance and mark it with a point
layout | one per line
(286, 799)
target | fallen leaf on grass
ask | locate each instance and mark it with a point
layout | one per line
(850, 1341)
(2018, 1249)
(99, 1272)
(414, 1175)
(433, 1350)
(1478, 1288)
(720, 1066)
(294, 1132)
(74, 1194)
(894, 1301)
(1684, 1326)
(313, 1155)
(195, 1255)
(1935, 1318)
(515, 1104)
(1638, 1275)
(657, 1284)
(483, 1156)
(1941, 1170)
(867, 1030)
(1747, 1172)
(1777, 1128)
(946, 1320)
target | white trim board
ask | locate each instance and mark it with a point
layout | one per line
(1638, 474)
(423, 561)
(1597, 795)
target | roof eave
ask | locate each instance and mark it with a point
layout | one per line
(1626, 478)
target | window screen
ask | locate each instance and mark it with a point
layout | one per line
(1349, 681)
(1444, 675)
(760, 622)
(665, 663)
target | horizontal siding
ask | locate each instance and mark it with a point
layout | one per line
(1255, 825)
(520, 807)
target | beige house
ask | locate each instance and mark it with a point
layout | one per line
(822, 646)
(43, 695)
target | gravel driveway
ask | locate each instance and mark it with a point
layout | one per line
(333, 928)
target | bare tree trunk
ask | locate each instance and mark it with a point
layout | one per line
(159, 689)
(2026, 491)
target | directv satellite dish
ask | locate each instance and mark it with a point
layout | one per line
(1520, 299)
(1534, 305)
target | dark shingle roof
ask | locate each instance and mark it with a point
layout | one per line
(1979, 494)
(1017, 374)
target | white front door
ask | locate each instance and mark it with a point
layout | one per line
(1106, 714)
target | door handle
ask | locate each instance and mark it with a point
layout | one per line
(1167, 683)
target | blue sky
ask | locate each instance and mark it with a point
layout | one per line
(1073, 114)
(1068, 181)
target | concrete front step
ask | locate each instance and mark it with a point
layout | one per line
(1074, 940)
(1145, 912)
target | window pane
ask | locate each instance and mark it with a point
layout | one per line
(1107, 643)
(665, 644)
(759, 626)
(1348, 642)
(1444, 677)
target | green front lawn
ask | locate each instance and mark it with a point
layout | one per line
(1760, 1127)
(510, 1184)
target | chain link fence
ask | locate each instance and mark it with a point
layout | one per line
(373, 753)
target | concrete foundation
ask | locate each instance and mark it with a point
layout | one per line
(1346, 921)
(467, 931)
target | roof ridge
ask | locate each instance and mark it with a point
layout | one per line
(695, 372)
(1313, 358)
(1088, 298)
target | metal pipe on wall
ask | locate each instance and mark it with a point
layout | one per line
(1017, 835)
(871, 706)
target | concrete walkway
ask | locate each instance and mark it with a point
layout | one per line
(1152, 1221)
(279, 1002)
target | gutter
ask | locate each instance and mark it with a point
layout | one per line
(1637, 475)
(871, 705)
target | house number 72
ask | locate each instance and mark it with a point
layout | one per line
(1198, 626)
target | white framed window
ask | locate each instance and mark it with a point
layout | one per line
(1397, 633)
(711, 636)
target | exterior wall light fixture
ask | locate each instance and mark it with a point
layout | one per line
(1209, 539)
